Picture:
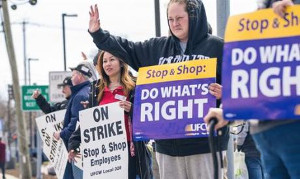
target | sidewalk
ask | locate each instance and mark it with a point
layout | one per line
(7, 176)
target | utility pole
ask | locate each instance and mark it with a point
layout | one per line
(31, 128)
(24, 162)
(64, 36)
(24, 51)
(157, 18)
(223, 11)
(64, 41)
(10, 97)
(10, 91)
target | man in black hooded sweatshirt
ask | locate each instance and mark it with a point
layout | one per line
(188, 158)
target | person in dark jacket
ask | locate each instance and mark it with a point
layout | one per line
(45, 106)
(115, 84)
(80, 92)
(189, 40)
(277, 141)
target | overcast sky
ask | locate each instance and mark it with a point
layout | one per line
(133, 19)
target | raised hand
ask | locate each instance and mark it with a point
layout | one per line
(94, 24)
(35, 94)
(84, 57)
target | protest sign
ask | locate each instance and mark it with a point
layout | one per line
(54, 149)
(104, 142)
(261, 66)
(171, 100)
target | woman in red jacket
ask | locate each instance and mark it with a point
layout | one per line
(117, 85)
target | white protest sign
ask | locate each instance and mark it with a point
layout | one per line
(104, 142)
(55, 150)
(55, 78)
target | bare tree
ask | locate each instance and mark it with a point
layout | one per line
(25, 165)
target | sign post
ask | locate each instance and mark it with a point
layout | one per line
(55, 78)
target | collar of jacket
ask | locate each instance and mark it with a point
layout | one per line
(78, 87)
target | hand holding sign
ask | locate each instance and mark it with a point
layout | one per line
(216, 90)
(56, 135)
(280, 6)
(85, 103)
(73, 155)
(126, 105)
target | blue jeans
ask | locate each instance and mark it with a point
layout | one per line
(254, 167)
(68, 172)
(280, 151)
(77, 172)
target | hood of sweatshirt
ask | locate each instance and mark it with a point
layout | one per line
(198, 27)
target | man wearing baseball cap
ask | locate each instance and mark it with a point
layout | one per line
(45, 106)
(66, 82)
(80, 92)
(83, 69)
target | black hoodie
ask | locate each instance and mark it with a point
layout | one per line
(165, 50)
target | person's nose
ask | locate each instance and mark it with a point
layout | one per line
(176, 22)
(108, 64)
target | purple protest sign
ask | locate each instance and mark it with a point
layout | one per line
(261, 76)
(172, 109)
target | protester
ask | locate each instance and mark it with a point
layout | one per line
(116, 81)
(45, 106)
(90, 65)
(80, 92)
(189, 40)
(277, 141)
(2, 157)
(48, 108)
